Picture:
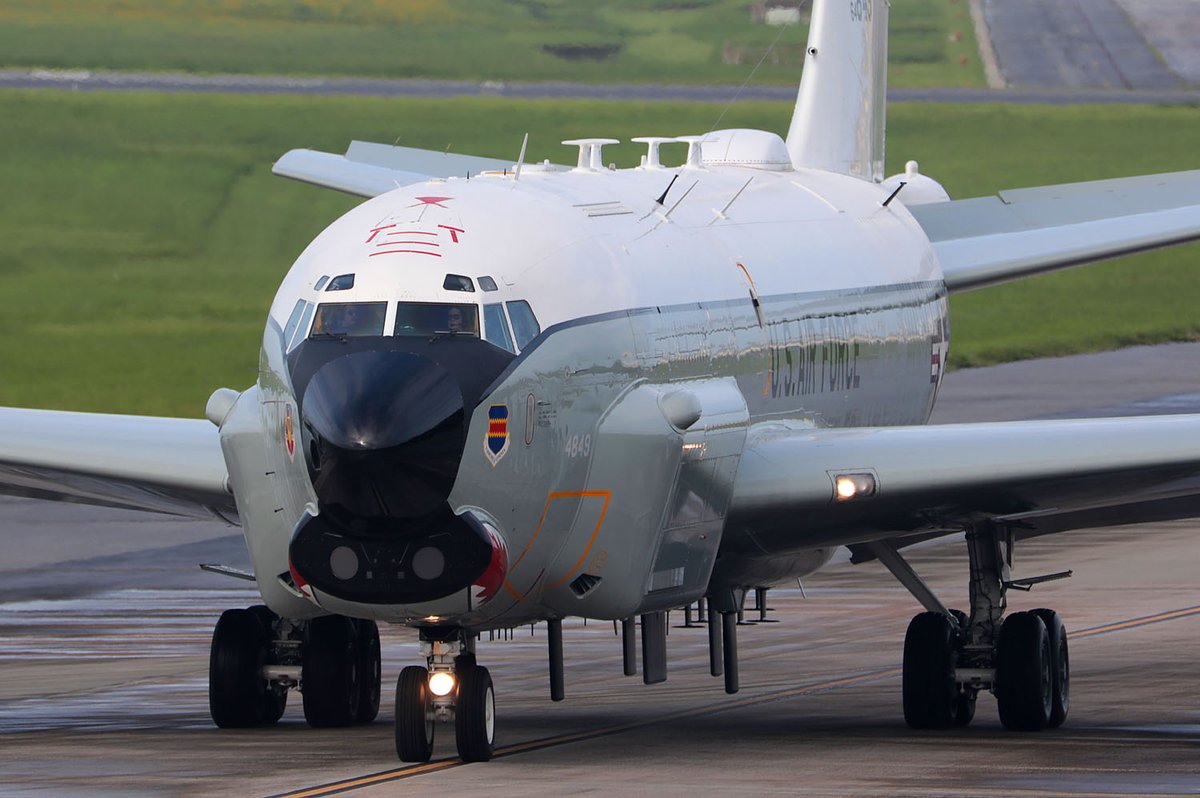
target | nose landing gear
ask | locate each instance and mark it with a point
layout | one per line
(452, 686)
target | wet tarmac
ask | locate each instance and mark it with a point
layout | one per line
(103, 666)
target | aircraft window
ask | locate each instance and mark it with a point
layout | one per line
(342, 282)
(321, 282)
(487, 283)
(429, 318)
(525, 325)
(349, 318)
(495, 326)
(457, 282)
(293, 321)
(302, 327)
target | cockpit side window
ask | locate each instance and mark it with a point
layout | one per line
(302, 327)
(349, 318)
(495, 327)
(432, 318)
(321, 282)
(293, 321)
(525, 324)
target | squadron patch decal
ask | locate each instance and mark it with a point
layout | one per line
(495, 445)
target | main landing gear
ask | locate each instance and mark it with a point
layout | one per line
(451, 686)
(950, 657)
(256, 657)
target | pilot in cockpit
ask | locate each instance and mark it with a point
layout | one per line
(454, 319)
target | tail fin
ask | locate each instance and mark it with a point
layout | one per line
(838, 124)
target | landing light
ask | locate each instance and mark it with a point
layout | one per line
(441, 683)
(853, 486)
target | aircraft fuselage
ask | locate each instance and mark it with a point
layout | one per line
(590, 474)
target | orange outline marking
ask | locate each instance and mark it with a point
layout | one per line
(567, 494)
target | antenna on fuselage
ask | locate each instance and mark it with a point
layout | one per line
(663, 199)
(521, 159)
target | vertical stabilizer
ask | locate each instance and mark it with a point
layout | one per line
(838, 123)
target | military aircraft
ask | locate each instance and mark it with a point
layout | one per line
(498, 393)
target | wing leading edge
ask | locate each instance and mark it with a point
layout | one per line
(166, 465)
(1040, 476)
(1022, 232)
(368, 170)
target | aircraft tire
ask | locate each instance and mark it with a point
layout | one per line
(1060, 661)
(369, 672)
(475, 715)
(928, 686)
(331, 672)
(414, 729)
(1024, 681)
(238, 697)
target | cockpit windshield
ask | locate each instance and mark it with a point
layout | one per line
(349, 318)
(428, 318)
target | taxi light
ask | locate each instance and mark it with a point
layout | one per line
(441, 683)
(853, 486)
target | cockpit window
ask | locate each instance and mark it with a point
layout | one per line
(428, 318)
(302, 327)
(495, 327)
(349, 318)
(321, 282)
(293, 321)
(487, 283)
(342, 282)
(457, 282)
(525, 324)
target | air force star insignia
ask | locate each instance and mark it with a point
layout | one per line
(495, 445)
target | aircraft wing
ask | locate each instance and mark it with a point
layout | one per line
(166, 465)
(1040, 476)
(368, 170)
(1022, 232)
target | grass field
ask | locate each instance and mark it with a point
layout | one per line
(687, 41)
(142, 236)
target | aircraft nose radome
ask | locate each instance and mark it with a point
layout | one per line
(384, 433)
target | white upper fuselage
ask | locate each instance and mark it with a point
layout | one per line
(580, 243)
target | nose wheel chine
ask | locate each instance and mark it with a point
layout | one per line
(452, 686)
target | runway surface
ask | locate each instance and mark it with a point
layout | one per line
(105, 624)
(1081, 43)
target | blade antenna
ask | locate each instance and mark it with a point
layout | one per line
(521, 159)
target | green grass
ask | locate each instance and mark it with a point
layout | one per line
(688, 41)
(142, 236)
